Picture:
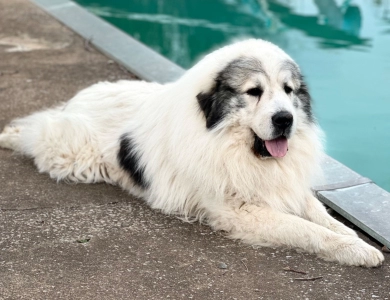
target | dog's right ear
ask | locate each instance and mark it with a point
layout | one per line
(211, 104)
(305, 98)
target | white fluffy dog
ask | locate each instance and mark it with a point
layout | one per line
(233, 142)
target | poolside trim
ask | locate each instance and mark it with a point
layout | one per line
(127, 51)
(341, 188)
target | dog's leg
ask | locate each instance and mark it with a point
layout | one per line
(316, 213)
(265, 226)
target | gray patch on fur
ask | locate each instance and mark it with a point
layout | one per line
(240, 70)
(295, 103)
(225, 96)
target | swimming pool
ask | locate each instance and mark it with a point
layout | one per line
(343, 48)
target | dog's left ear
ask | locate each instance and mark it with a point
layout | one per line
(212, 104)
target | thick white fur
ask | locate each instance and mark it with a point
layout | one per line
(193, 171)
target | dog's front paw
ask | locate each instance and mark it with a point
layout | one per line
(352, 251)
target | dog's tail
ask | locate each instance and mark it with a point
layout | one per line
(61, 144)
(10, 137)
(20, 133)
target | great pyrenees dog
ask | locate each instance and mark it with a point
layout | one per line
(232, 143)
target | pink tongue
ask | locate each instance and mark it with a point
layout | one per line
(277, 147)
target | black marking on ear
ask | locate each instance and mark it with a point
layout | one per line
(305, 98)
(224, 96)
(129, 160)
(218, 102)
(211, 105)
(303, 92)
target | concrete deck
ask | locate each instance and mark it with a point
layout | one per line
(60, 241)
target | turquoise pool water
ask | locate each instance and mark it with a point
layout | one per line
(343, 48)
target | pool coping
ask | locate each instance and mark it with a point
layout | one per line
(341, 188)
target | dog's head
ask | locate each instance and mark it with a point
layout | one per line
(259, 88)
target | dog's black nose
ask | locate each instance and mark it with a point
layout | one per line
(282, 120)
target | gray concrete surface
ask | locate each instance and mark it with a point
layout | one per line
(60, 241)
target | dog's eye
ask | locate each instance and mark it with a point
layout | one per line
(257, 92)
(287, 89)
